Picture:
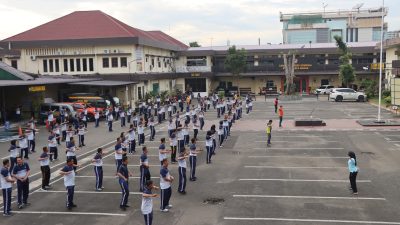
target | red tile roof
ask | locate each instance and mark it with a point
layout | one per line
(88, 25)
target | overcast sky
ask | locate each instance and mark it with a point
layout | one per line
(206, 21)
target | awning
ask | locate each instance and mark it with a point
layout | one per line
(40, 81)
(107, 83)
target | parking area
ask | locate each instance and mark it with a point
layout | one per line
(301, 179)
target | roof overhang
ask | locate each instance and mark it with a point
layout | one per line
(103, 83)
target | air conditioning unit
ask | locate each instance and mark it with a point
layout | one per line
(33, 57)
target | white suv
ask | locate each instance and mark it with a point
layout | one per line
(324, 89)
(340, 94)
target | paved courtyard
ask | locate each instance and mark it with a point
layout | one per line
(301, 179)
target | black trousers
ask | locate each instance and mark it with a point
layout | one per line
(144, 177)
(53, 150)
(165, 197)
(22, 191)
(45, 176)
(132, 146)
(193, 162)
(353, 183)
(148, 218)
(22, 151)
(98, 170)
(173, 153)
(70, 195)
(182, 179)
(31, 144)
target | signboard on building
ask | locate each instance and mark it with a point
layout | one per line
(139, 53)
(37, 88)
(376, 66)
(195, 74)
(299, 66)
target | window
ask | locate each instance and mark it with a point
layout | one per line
(124, 62)
(152, 62)
(270, 83)
(91, 68)
(51, 69)
(106, 62)
(159, 63)
(45, 65)
(196, 84)
(84, 64)
(57, 65)
(324, 81)
(139, 90)
(320, 61)
(196, 61)
(78, 64)
(71, 65)
(65, 65)
(14, 63)
(114, 62)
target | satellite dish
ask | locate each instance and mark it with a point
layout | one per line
(358, 6)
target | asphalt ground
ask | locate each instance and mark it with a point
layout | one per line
(301, 179)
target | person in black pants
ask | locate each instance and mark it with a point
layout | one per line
(21, 172)
(45, 168)
(353, 169)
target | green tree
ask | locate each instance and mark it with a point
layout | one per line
(235, 63)
(194, 44)
(346, 70)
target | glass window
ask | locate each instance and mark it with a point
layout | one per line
(51, 65)
(106, 62)
(65, 65)
(45, 65)
(84, 64)
(71, 65)
(124, 62)
(57, 65)
(91, 68)
(14, 63)
(114, 62)
(78, 64)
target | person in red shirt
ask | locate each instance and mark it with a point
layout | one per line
(276, 104)
(280, 112)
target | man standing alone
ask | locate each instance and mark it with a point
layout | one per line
(269, 132)
(280, 112)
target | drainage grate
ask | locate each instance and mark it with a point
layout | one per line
(214, 201)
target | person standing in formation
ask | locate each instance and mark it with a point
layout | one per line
(21, 173)
(45, 168)
(182, 172)
(6, 182)
(124, 174)
(147, 202)
(69, 182)
(98, 169)
(144, 169)
(165, 184)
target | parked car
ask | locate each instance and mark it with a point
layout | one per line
(79, 106)
(347, 94)
(324, 89)
(56, 108)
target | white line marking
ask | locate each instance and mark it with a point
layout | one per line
(302, 180)
(387, 139)
(138, 165)
(305, 148)
(296, 167)
(69, 213)
(112, 177)
(289, 141)
(298, 157)
(89, 192)
(307, 197)
(295, 136)
(393, 141)
(311, 220)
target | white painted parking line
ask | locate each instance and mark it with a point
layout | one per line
(298, 157)
(310, 220)
(112, 177)
(295, 136)
(138, 165)
(387, 139)
(290, 141)
(308, 197)
(302, 180)
(88, 192)
(69, 213)
(297, 167)
(295, 148)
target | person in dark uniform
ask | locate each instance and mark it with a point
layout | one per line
(123, 175)
(6, 182)
(69, 182)
(144, 169)
(118, 154)
(193, 159)
(21, 173)
(13, 154)
(209, 146)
